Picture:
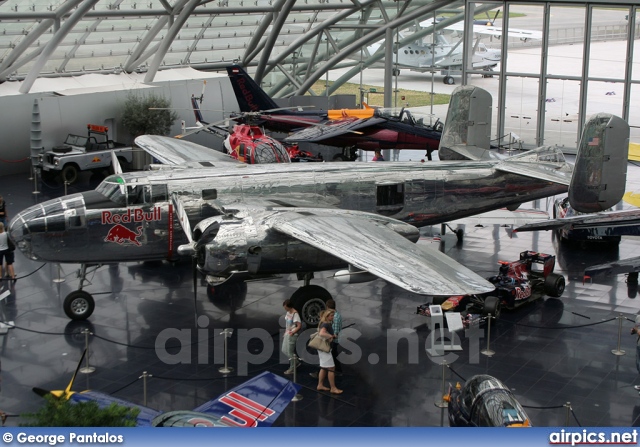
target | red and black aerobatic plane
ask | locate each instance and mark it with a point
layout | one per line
(367, 129)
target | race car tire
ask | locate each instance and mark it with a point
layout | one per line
(554, 285)
(439, 299)
(310, 301)
(492, 306)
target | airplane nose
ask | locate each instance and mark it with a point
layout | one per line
(19, 229)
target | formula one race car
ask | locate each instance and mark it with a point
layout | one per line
(484, 401)
(516, 283)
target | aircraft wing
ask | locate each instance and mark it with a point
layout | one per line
(175, 152)
(349, 125)
(496, 31)
(144, 418)
(369, 245)
(546, 163)
(256, 403)
(612, 219)
(504, 217)
(614, 268)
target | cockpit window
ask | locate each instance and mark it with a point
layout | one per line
(115, 192)
(138, 194)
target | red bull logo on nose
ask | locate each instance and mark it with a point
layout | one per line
(131, 215)
(122, 235)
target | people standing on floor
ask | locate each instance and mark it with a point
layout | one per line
(3, 211)
(293, 325)
(7, 255)
(327, 367)
(337, 328)
(636, 331)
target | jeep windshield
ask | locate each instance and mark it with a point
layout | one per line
(76, 140)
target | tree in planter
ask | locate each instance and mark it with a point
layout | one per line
(58, 412)
(139, 120)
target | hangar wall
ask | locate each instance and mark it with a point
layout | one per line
(64, 111)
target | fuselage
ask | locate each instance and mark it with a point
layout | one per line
(131, 217)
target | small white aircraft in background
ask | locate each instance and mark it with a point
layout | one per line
(444, 55)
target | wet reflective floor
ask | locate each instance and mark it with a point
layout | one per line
(550, 353)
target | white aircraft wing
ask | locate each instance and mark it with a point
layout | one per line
(175, 152)
(490, 30)
(547, 163)
(372, 246)
(612, 219)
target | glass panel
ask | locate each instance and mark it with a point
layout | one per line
(634, 114)
(608, 51)
(524, 18)
(566, 36)
(561, 113)
(521, 105)
(635, 70)
(604, 97)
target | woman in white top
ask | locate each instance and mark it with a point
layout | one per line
(6, 256)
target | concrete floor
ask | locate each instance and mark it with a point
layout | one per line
(550, 352)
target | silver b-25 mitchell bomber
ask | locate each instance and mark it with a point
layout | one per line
(241, 221)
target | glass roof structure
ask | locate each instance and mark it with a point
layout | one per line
(303, 38)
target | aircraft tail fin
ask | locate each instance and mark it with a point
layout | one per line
(600, 172)
(256, 403)
(467, 131)
(250, 96)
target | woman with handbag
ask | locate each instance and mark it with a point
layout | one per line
(327, 366)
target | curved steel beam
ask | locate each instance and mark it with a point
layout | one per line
(50, 47)
(255, 45)
(24, 44)
(168, 39)
(137, 56)
(284, 8)
(366, 40)
(313, 33)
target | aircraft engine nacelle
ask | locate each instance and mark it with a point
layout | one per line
(248, 245)
(243, 247)
(596, 184)
(353, 276)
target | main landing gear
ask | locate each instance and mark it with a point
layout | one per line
(79, 305)
(310, 300)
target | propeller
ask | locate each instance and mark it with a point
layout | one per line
(117, 169)
(62, 394)
(188, 249)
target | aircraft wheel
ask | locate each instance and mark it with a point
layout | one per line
(309, 301)
(554, 285)
(339, 157)
(449, 80)
(459, 234)
(79, 305)
(492, 306)
(70, 173)
(396, 72)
